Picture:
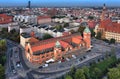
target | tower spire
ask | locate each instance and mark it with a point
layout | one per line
(104, 6)
(29, 4)
(103, 12)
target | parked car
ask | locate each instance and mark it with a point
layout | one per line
(18, 64)
(59, 61)
(45, 65)
(40, 67)
(67, 59)
(74, 56)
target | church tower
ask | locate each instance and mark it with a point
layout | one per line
(103, 12)
(87, 37)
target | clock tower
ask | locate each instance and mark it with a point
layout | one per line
(87, 37)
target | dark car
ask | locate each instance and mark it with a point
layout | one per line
(40, 67)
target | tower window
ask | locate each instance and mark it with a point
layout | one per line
(28, 50)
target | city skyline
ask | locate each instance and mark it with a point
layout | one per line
(60, 3)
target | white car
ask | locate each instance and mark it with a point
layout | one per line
(59, 61)
(74, 56)
(45, 65)
(18, 65)
(67, 59)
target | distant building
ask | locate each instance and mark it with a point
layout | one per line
(5, 19)
(29, 4)
(26, 18)
(40, 51)
(43, 19)
(107, 28)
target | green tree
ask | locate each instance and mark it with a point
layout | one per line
(3, 60)
(92, 32)
(72, 72)
(47, 36)
(2, 45)
(68, 77)
(59, 27)
(66, 25)
(97, 72)
(99, 35)
(13, 31)
(2, 71)
(81, 29)
(4, 30)
(91, 17)
(112, 41)
(114, 73)
(86, 72)
(80, 74)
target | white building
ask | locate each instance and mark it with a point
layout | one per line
(25, 19)
(25, 30)
(13, 26)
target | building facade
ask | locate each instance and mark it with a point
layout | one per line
(25, 18)
(108, 29)
(12, 26)
(43, 19)
(40, 51)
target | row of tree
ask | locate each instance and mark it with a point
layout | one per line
(12, 35)
(2, 58)
(114, 73)
(95, 71)
(2, 45)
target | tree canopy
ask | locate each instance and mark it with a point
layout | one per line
(81, 29)
(2, 45)
(47, 36)
(2, 71)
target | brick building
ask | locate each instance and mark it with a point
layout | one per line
(107, 28)
(40, 51)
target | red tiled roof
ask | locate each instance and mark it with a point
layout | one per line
(33, 40)
(4, 19)
(45, 44)
(44, 9)
(64, 44)
(43, 47)
(79, 37)
(65, 38)
(43, 17)
(49, 45)
(91, 24)
(110, 26)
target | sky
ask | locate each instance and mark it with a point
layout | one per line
(60, 2)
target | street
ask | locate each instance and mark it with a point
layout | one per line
(29, 71)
